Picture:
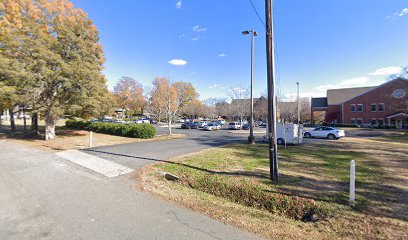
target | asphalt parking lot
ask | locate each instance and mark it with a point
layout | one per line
(136, 155)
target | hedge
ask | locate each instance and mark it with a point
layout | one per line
(143, 130)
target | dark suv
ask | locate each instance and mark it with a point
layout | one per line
(189, 125)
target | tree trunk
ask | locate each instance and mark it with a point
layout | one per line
(12, 123)
(34, 122)
(24, 118)
(169, 125)
(50, 123)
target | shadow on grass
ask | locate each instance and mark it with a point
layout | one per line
(235, 173)
(26, 134)
(334, 162)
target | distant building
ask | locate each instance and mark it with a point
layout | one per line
(386, 104)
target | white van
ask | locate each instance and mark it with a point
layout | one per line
(234, 125)
(288, 133)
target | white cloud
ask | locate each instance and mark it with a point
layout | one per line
(197, 28)
(178, 62)
(195, 38)
(178, 4)
(386, 71)
(220, 86)
(222, 55)
(403, 12)
(239, 90)
(354, 82)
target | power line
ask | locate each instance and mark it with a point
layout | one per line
(278, 77)
(257, 14)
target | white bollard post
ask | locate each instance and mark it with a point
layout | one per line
(90, 138)
(352, 182)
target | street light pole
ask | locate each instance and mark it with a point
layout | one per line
(298, 112)
(273, 150)
(251, 138)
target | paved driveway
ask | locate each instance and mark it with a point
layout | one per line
(46, 197)
(136, 155)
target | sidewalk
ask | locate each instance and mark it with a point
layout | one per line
(46, 197)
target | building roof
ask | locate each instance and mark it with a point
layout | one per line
(388, 82)
(338, 96)
(397, 115)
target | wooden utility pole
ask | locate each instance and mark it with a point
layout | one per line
(273, 150)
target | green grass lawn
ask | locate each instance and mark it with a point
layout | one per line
(312, 171)
(314, 180)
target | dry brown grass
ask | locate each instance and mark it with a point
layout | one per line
(78, 139)
(383, 188)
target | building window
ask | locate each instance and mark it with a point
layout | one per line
(353, 107)
(374, 107)
(381, 122)
(381, 107)
(373, 121)
(353, 121)
(360, 107)
(359, 121)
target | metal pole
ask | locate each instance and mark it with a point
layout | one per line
(298, 112)
(273, 151)
(352, 182)
(251, 138)
(90, 138)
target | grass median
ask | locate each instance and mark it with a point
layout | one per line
(311, 201)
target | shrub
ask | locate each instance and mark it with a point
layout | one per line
(76, 124)
(143, 130)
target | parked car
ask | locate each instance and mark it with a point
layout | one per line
(212, 127)
(120, 121)
(152, 121)
(24, 116)
(257, 123)
(263, 124)
(221, 122)
(187, 120)
(142, 120)
(246, 127)
(325, 132)
(189, 125)
(234, 125)
(202, 124)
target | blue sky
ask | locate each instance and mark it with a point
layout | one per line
(321, 44)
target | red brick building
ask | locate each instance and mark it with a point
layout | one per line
(386, 104)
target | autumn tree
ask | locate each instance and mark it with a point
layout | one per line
(128, 94)
(194, 110)
(169, 98)
(261, 108)
(56, 49)
(222, 107)
(240, 102)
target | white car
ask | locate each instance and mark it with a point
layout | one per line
(120, 121)
(234, 125)
(212, 127)
(202, 124)
(325, 132)
(221, 122)
(141, 120)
